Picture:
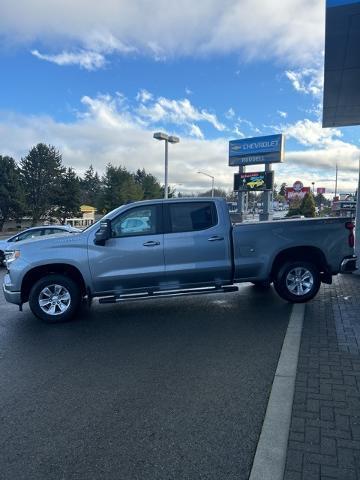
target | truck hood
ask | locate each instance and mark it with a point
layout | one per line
(53, 241)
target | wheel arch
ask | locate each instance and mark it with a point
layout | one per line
(304, 253)
(36, 273)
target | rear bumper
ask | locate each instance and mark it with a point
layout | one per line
(348, 265)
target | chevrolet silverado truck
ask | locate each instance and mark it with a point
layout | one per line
(179, 247)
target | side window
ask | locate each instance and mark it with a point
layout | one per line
(189, 217)
(137, 221)
(29, 234)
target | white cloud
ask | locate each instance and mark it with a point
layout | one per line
(196, 132)
(179, 112)
(108, 130)
(144, 96)
(230, 114)
(310, 133)
(282, 114)
(290, 31)
(84, 58)
(308, 80)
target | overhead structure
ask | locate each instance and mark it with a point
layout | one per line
(342, 74)
(342, 64)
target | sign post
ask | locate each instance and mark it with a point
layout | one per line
(241, 199)
(267, 196)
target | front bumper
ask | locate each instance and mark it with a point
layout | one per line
(348, 265)
(10, 296)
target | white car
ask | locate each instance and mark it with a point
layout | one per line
(34, 232)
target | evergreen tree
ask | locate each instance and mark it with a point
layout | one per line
(68, 197)
(150, 186)
(11, 192)
(41, 171)
(321, 201)
(308, 205)
(294, 207)
(90, 187)
(282, 190)
(118, 187)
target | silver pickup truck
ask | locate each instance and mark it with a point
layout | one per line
(161, 248)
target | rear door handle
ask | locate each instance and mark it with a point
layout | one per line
(151, 243)
(215, 238)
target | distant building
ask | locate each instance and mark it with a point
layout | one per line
(87, 217)
(344, 208)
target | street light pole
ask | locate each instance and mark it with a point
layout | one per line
(212, 181)
(168, 139)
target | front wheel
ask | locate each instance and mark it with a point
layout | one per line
(297, 281)
(55, 298)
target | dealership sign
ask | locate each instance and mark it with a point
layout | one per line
(257, 150)
(321, 190)
(253, 181)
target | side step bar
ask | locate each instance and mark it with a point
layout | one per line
(168, 293)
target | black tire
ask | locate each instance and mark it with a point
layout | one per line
(285, 282)
(67, 298)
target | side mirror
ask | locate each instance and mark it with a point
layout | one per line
(104, 233)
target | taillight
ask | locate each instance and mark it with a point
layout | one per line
(351, 239)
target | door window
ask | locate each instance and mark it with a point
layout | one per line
(137, 221)
(190, 217)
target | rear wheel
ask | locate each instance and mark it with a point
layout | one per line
(297, 281)
(55, 298)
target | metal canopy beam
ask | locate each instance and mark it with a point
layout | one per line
(342, 64)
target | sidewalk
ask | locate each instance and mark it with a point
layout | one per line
(324, 437)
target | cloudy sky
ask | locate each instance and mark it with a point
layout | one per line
(96, 79)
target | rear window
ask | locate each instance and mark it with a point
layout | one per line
(190, 217)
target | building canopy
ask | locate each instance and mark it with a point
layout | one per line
(342, 64)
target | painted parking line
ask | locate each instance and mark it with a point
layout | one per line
(270, 456)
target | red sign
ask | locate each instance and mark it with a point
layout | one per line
(291, 193)
(320, 190)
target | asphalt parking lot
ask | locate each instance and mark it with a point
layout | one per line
(163, 389)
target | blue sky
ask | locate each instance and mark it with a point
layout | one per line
(96, 83)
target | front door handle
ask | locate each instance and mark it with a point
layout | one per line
(215, 238)
(151, 243)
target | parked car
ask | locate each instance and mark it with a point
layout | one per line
(186, 246)
(34, 232)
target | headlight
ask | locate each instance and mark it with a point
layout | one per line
(10, 256)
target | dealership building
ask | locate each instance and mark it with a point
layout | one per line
(342, 73)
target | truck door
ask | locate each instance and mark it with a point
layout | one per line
(197, 249)
(133, 258)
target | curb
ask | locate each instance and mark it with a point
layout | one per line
(270, 456)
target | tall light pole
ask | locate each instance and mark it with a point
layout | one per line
(168, 139)
(212, 181)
